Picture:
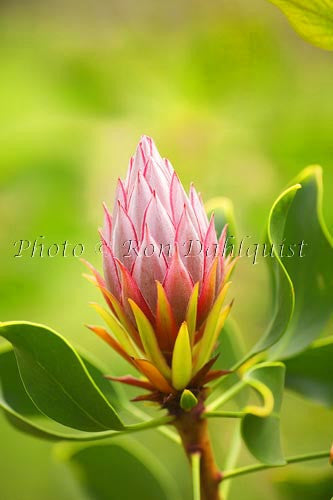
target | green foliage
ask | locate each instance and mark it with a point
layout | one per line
(310, 373)
(312, 19)
(283, 292)
(22, 413)
(261, 426)
(123, 467)
(312, 274)
(301, 268)
(57, 380)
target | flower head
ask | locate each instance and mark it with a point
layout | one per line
(165, 278)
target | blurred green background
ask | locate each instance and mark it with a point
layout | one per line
(231, 95)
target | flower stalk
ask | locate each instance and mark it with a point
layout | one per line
(249, 469)
(194, 434)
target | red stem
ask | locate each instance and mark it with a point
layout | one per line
(194, 434)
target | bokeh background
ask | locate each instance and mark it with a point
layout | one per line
(237, 102)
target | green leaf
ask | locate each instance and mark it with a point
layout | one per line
(122, 470)
(18, 407)
(312, 19)
(312, 274)
(261, 434)
(311, 372)
(57, 380)
(301, 269)
(283, 290)
(21, 412)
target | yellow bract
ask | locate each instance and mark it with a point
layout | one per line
(214, 323)
(191, 313)
(149, 342)
(118, 331)
(182, 359)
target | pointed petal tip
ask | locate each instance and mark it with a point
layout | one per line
(104, 205)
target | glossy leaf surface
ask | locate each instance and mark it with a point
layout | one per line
(57, 380)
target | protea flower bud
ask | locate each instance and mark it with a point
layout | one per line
(165, 278)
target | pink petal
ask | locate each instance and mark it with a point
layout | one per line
(139, 161)
(140, 198)
(129, 174)
(110, 270)
(199, 211)
(221, 257)
(107, 228)
(178, 198)
(148, 268)
(169, 167)
(190, 246)
(160, 225)
(124, 238)
(120, 196)
(159, 182)
(178, 287)
(210, 246)
(130, 290)
(149, 150)
(148, 146)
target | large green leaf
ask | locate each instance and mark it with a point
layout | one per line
(261, 425)
(312, 274)
(57, 380)
(283, 290)
(24, 415)
(312, 19)
(301, 270)
(122, 470)
(311, 372)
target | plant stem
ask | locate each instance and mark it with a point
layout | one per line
(248, 469)
(223, 414)
(196, 475)
(193, 431)
(226, 396)
(148, 424)
(166, 431)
